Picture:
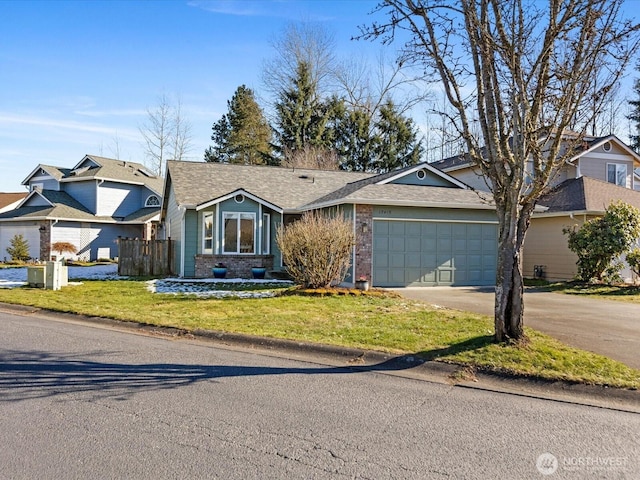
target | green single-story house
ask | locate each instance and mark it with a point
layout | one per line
(416, 226)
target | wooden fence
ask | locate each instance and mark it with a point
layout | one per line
(145, 258)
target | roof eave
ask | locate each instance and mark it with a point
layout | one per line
(398, 203)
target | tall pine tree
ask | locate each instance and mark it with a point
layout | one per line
(634, 116)
(243, 134)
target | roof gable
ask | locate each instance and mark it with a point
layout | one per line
(599, 144)
(35, 199)
(240, 191)
(41, 170)
(431, 176)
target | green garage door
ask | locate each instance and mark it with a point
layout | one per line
(420, 253)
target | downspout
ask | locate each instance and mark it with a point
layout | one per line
(355, 244)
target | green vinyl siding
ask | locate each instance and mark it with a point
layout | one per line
(430, 179)
(191, 240)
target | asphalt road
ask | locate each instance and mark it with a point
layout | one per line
(78, 401)
(606, 327)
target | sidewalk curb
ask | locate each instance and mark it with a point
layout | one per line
(409, 366)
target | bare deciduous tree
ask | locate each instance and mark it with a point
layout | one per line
(166, 134)
(524, 71)
(305, 42)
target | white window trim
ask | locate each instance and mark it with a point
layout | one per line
(266, 233)
(238, 216)
(626, 173)
(204, 238)
(146, 202)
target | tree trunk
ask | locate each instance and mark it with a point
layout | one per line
(509, 304)
(514, 221)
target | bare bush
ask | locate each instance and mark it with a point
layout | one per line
(317, 249)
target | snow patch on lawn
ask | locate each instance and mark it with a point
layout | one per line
(206, 287)
(201, 287)
(17, 276)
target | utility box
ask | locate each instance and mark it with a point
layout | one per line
(35, 276)
(54, 276)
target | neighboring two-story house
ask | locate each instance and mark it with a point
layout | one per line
(601, 172)
(89, 206)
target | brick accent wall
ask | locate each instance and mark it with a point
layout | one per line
(238, 266)
(45, 241)
(364, 241)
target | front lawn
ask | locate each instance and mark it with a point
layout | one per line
(376, 322)
(622, 293)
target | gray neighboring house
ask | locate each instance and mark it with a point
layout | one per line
(415, 226)
(89, 206)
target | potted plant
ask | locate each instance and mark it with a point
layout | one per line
(219, 270)
(362, 283)
(258, 272)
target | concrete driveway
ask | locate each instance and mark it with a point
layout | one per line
(606, 327)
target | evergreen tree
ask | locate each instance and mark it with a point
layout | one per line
(301, 116)
(243, 134)
(19, 249)
(355, 141)
(397, 143)
(635, 114)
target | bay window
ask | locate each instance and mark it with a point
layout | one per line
(239, 232)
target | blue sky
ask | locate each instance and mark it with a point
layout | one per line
(76, 77)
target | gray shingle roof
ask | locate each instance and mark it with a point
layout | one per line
(414, 195)
(66, 207)
(120, 170)
(143, 215)
(587, 194)
(195, 183)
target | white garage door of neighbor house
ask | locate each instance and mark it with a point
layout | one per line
(423, 253)
(30, 233)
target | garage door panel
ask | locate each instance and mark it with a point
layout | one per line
(396, 244)
(381, 260)
(445, 261)
(428, 244)
(396, 260)
(397, 228)
(381, 244)
(429, 276)
(396, 276)
(380, 227)
(460, 245)
(445, 277)
(412, 261)
(433, 253)
(413, 244)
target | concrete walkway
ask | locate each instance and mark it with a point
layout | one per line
(609, 328)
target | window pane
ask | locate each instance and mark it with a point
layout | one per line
(230, 235)
(611, 173)
(266, 233)
(208, 232)
(621, 172)
(247, 239)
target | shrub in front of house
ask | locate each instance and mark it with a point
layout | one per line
(19, 249)
(600, 241)
(317, 249)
